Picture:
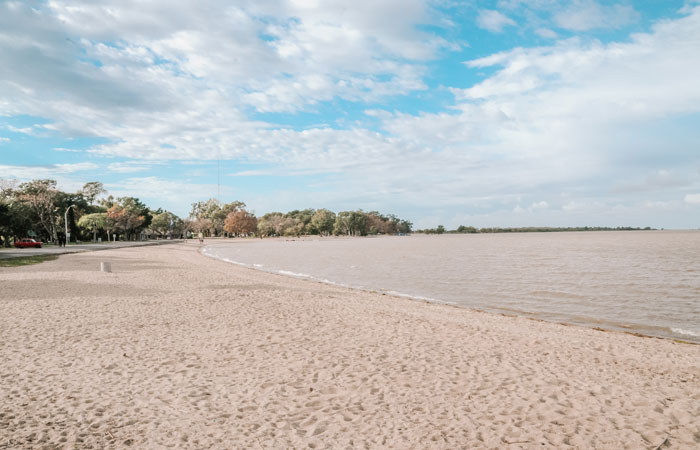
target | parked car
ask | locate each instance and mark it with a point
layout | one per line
(22, 243)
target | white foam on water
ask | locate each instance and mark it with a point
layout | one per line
(419, 297)
(325, 280)
(294, 274)
(685, 332)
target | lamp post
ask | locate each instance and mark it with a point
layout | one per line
(65, 217)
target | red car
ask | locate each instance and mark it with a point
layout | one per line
(23, 243)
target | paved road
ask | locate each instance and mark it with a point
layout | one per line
(53, 250)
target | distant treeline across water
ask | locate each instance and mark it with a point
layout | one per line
(462, 229)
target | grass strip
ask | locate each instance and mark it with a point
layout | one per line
(26, 260)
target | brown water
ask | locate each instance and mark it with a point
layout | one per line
(647, 281)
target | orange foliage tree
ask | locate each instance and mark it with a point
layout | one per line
(240, 222)
(121, 219)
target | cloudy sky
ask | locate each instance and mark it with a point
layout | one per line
(485, 113)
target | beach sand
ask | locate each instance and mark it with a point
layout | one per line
(176, 350)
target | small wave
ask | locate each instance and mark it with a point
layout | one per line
(233, 262)
(418, 297)
(685, 332)
(330, 282)
(334, 283)
(294, 274)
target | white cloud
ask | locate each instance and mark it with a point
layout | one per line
(693, 199)
(67, 150)
(618, 79)
(173, 195)
(128, 167)
(26, 173)
(659, 180)
(76, 167)
(25, 130)
(67, 176)
(665, 205)
(576, 118)
(492, 20)
(546, 33)
(170, 50)
(4, 139)
(252, 173)
(582, 15)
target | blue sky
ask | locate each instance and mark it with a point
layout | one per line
(485, 113)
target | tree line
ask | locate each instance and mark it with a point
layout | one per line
(463, 229)
(213, 218)
(38, 209)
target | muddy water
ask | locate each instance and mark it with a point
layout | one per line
(647, 282)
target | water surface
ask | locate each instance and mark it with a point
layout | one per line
(646, 281)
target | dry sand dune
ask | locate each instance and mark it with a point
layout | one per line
(174, 350)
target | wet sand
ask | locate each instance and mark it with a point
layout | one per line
(173, 349)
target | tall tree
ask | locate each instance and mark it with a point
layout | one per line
(202, 226)
(5, 221)
(210, 211)
(128, 215)
(164, 222)
(94, 223)
(301, 221)
(322, 222)
(71, 206)
(241, 222)
(271, 224)
(219, 215)
(92, 190)
(40, 197)
(351, 223)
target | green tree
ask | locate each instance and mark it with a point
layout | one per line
(404, 226)
(128, 215)
(164, 223)
(272, 224)
(91, 191)
(300, 221)
(219, 215)
(18, 221)
(292, 226)
(322, 222)
(76, 205)
(93, 223)
(214, 212)
(351, 223)
(40, 197)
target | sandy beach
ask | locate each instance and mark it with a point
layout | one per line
(176, 350)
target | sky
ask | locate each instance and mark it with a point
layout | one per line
(481, 113)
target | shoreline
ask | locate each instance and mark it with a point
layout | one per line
(175, 349)
(593, 323)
